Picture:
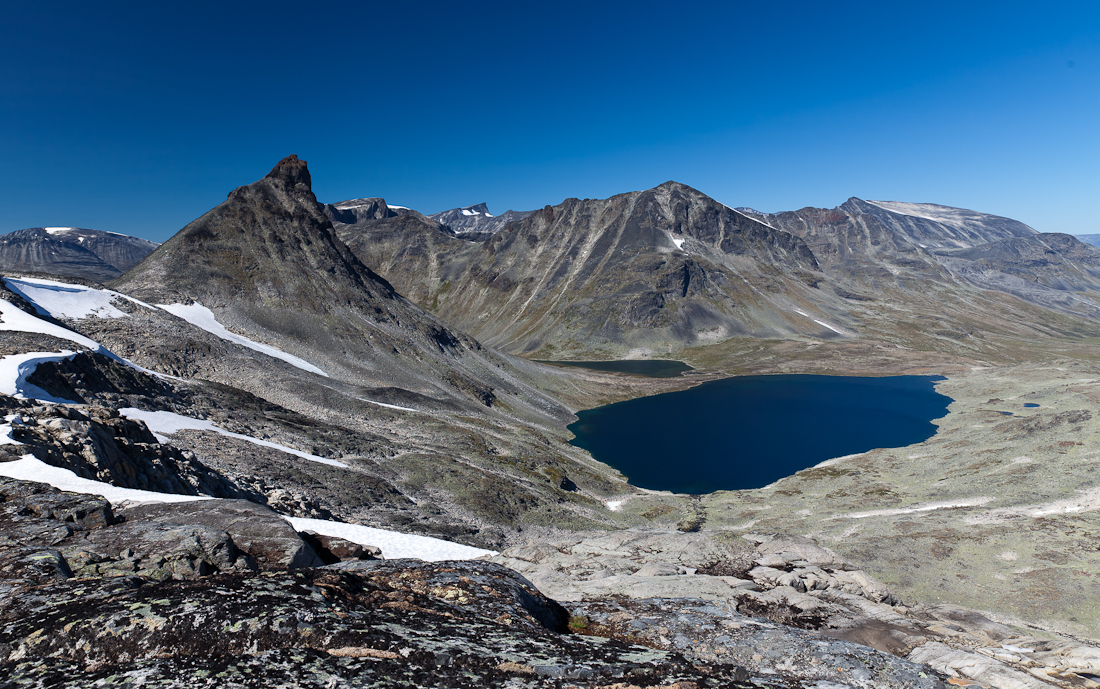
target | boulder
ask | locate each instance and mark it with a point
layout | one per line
(255, 529)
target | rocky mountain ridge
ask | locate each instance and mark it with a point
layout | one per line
(72, 251)
(657, 282)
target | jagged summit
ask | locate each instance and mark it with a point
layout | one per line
(269, 240)
(475, 222)
(291, 171)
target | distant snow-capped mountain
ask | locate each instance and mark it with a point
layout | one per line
(72, 252)
(475, 222)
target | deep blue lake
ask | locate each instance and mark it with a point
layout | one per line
(749, 431)
(650, 368)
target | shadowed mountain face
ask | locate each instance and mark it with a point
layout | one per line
(73, 252)
(269, 265)
(399, 242)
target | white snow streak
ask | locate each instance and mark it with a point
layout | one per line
(387, 406)
(16, 319)
(968, 502)
(393, 544)
(30, 468)
(170, 422)
(199, 316)
(821, 323)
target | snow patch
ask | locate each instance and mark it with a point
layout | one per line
(6, 437)
(969, 502)
(757, 220)
(169, 422)
(387, 406)
(62, 300)
(15, 368)
(466, 211)
(30, 468)
(201, 317)
(821, 323)
(394, 545)
(58, 230)
(13, 318)
(837, 460)
(615, 505)
(1086, 500)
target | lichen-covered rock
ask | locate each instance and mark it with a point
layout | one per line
(714, 632)
(390, 624)
(46, 534)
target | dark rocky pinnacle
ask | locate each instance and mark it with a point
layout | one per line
(291, 171)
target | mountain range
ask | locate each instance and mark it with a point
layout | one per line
(367, 364)
(651, 273)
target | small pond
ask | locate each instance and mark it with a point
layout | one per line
(749, 431)
(650, 368)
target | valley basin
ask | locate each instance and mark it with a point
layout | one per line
(749, 431)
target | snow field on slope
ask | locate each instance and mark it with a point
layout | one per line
(393, 544)
(170, 422)
(201, 317)
(15, 319)
(62, 300)
(30, 468)
(75, 301)
(15, 368)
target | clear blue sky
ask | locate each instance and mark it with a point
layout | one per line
(139, 117)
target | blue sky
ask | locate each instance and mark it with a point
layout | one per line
(138, 118)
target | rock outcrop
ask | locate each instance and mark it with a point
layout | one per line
(716, 597)
(177, 594)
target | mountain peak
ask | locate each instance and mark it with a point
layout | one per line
(291, 171)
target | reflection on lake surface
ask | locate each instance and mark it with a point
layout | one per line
(651, 368)
(749, 431)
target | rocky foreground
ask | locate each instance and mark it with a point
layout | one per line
(226, 593)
